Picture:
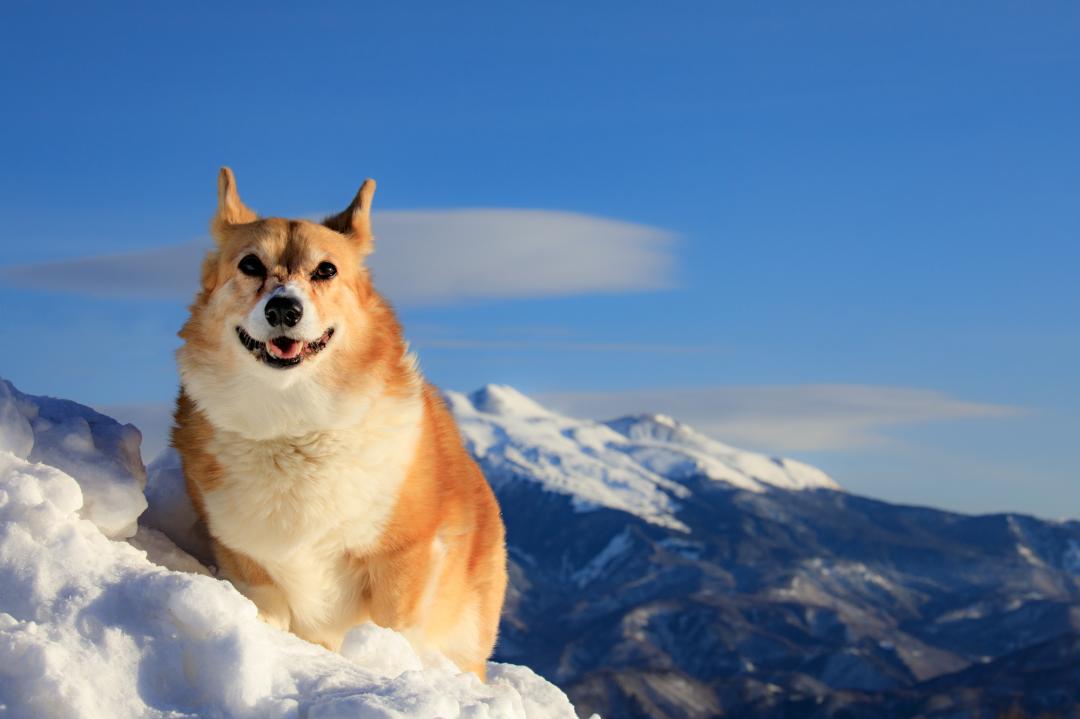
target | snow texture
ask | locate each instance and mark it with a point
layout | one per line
(101, 452)
(620, 544)
(631, 464)
(94, 626)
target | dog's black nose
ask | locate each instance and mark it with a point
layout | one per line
(282, 310)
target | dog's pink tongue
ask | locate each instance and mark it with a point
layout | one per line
(284, 347)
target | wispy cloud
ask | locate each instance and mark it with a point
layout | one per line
(775, 419)
(787, 418)
(421, 257)
(549, 345)
(170, 272)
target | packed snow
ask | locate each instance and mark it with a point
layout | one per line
(94, 626)
(632, 464)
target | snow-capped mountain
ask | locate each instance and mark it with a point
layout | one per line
(634, 464)
(657, 572)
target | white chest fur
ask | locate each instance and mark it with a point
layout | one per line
(296, 505)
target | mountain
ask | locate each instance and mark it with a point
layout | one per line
(657, 572)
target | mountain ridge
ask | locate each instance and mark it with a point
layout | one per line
(657, 572)
(632, 464)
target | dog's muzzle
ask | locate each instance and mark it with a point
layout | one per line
(283, 352)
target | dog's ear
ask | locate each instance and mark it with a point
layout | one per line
(355, 220)
(231, 210)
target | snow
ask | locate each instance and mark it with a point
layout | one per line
(683, 547)
(170, 510)
(584, 460)
(101, 452)
(1070, 562)
(95, 626)
(666, 444)
(598, 565)
(633, 464)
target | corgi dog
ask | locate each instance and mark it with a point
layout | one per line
(330, 477)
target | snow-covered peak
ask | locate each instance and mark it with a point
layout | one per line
(634, 464)
(663, 428)
(715, 459)
(504, 400)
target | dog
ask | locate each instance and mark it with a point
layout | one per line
(331, 478)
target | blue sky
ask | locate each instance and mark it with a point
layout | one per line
(848, 232)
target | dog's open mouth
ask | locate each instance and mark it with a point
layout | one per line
(283, 352)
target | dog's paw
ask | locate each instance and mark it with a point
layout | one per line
(270, 603)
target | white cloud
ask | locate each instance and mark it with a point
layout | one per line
(433, 256)
(548, 345)
(795, 418)
(421, 257)
(170, 272)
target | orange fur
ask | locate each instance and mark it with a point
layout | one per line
(430, 559)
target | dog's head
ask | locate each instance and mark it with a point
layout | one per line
(286, 318)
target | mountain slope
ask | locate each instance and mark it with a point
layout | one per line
(657, 572)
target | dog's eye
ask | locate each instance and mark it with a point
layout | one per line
(324, 271)
(252, 267)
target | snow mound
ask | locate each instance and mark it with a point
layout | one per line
(95, 627)
(633, 464)
(100, 451)
(170, 510)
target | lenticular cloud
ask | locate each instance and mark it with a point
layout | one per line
(421, 257)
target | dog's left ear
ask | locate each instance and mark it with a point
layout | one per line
(355, 220)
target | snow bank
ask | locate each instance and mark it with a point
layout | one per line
(94, 627)
(100, 451)
(170, 511)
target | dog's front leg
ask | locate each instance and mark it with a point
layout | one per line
(251, 580)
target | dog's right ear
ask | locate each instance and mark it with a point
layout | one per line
(231, 210)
